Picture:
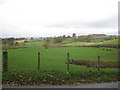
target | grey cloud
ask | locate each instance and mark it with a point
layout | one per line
(108, 23)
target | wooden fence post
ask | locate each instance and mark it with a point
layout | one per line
(5, 61)
(68, 62)
(38, 60)
(98, 67)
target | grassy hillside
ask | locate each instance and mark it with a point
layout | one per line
(79, 43)
(68, 40)
(109, 42)
(113, 42)
(26, 58)
(23, 65)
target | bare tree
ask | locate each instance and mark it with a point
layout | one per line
(74, 35)
(64, 36)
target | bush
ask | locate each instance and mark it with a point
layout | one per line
(16, 43)
(46, 45)
(5, 42)
(58, 40)
(25, 41)
(95, 63)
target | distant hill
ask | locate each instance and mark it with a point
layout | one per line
(97, 35)
(105, 43)
(112, 42)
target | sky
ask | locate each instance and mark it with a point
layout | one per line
(49, 18)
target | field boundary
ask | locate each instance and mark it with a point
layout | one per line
(109, 46)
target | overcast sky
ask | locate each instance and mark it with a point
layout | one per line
(43, 18)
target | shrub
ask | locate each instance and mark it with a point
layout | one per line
(16, 43)
(95, 63)
(58, 40)
(46, 45)
(25, 41)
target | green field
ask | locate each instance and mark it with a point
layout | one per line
(79, 43)
(24, 62)
(109, 42)
(113, 42)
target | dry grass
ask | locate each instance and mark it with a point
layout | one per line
(95, 63)
(109, 46)
(12, 47)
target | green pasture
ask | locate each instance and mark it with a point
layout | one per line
(25, 62)
(113, 42)
(68, 40)
(79, 43)
(54, 59)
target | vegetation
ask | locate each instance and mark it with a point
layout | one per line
(58, 40)
(4, 42)
(104, 43)
(23, 62)
(46, 45)
(95, 64)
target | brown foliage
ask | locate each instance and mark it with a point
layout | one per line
(95, 63)
(11, 47)
(74, 35)
(5, 41)
(46, 45)
(75, 39)
(58, 40)
(25, 41)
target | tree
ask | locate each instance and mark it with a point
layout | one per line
(64, 36)
(58, 40)
(11, 39)
(74, 35)
(5, 41)
(44, 38)
(16, 43)
(11, 43)
(115, 37)
(47, 40)
(25, 41)
(68, 36)
(31, 38)
(46, 45)
(41, 38)
(0, 41)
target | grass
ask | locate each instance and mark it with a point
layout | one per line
(68, 40)
(79, 43)
(27, 58)
(22, 64)
(109, 42)
(113, 42)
